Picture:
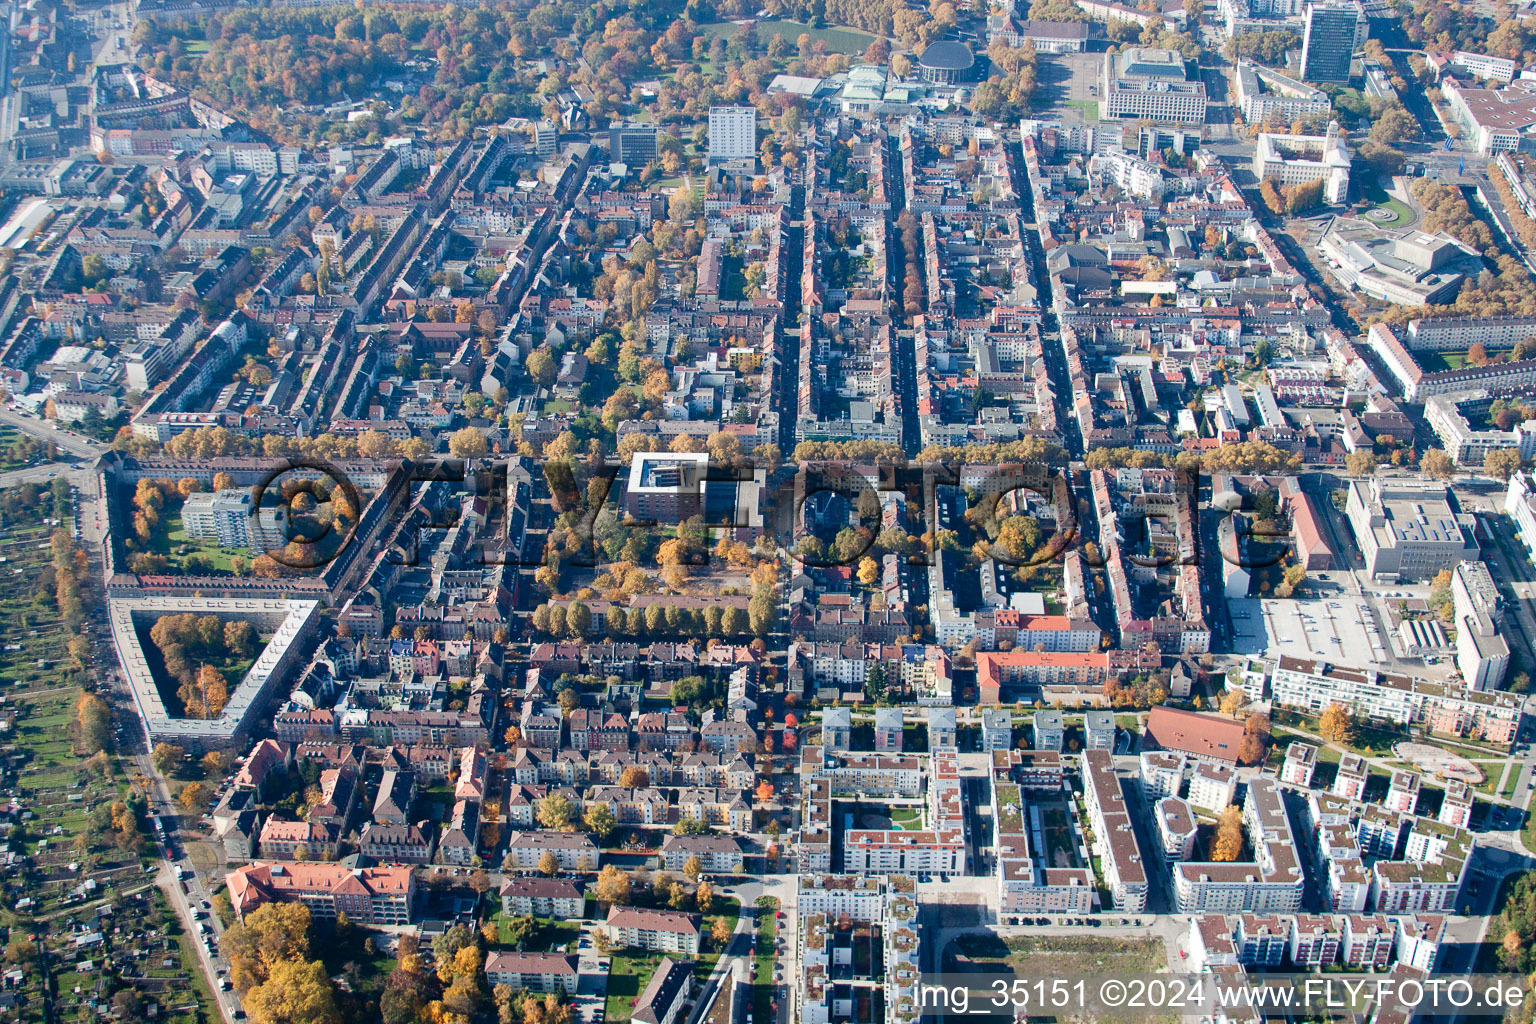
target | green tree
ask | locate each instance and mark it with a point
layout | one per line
(166, 757)
(600, 820)
(555, 812)
(541, 367)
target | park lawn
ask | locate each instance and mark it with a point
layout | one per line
(176, 537)
(1060, 955)
(838, 40)
(8, 438)
(1370, 741)
(762, 967)
(1381, 199)
(1507, 791)
(551, 935)
(194, 970)
(1090, 108)
(628, 974)
(1285, 737)
(909, 818)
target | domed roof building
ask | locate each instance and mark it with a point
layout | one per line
(947, 62)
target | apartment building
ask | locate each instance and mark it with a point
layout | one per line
(1272, 883)
(1429, 877)
(377, 896)
(1212, 787)
(1520, 502)
(720, 855)
(1114, 838)
(1386, 697)
(229, 519)
(1482, 654)
(574, 851)
(535, 972)
(1349, 781)
(1456, 806)
(1316, 940)
(1299, 765)
(1162, 774)
(558, 898)
(284, 840)
(666, 931)
(1175, 828)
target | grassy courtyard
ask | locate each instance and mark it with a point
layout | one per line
(838, 40)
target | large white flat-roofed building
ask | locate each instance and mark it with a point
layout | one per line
(288, 621)
(1304, 159)
(1406, 268)
(230, 519)
(732, 134)
(1450, 417)
(1150, 83)
(1047, 36)
(1408, 530)
(1482, 654)
(1497, 120)
(1264, 95)
(1481, 66)
(1520, 503)
(666, 487)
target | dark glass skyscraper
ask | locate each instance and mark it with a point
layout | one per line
(1329, 43)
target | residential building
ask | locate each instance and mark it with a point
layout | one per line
(375, 896)
(997, 728)
(1349, 781)
(558, 898)
(1212, 787)
(1162, 774)
(1402, 793)
(1386, 697)
(535, 972)
(1300, 764)
(1114, 838)
(666, 994)
(229, 519)
(732, 134)
(574, 851)
(395, 844)
(837, 729)
(1456, 806)
(1482, 653)
(888, 729)
(1099, 730)
(1175, 828)
(1050, 731)
(719, 855)
(1271, 883)
(942, 732)
(666, 931)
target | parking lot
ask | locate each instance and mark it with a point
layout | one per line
(1339, 629)
(1068, 83)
